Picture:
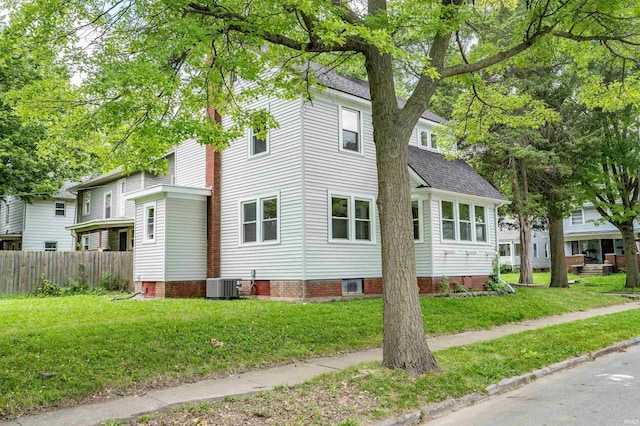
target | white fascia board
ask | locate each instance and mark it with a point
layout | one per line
(172, 190)
(416, 178)
(458, 195)
(100, 224)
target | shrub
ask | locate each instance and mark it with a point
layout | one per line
(458, 288)
(47, 288)
(506, 268)
(444, 285)
(109, 283)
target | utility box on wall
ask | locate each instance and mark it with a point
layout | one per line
(223, 288)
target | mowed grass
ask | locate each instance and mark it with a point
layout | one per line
(90, 346)
(366, 393)
(613, 282)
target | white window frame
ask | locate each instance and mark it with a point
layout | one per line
(86, 203)
(429, 132)
(55, 247)
(259, 219)
(85, 242)
(104, 205)
(420, 202)
(250, 146)
(457, 221)
(351, 217)
(535, 250)
(145, 222)
(469, 222)
(577, 222)
(360, 150)
(546, 250)
(122, 189)
(56, 209)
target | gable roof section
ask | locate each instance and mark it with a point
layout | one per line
(354, 86)
(452, 176)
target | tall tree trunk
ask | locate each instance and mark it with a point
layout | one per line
(630, 256)
(405, 345)
(526, 245)
(520, 188)
(558, 262)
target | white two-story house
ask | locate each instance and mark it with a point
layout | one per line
(37, 225)
(296, 211)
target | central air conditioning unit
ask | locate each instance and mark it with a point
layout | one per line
(223, 288)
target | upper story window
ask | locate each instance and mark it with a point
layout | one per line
(122, 189)
(150, 222)
(258, 145)
(50, 246)
(535, 250)
(577, 217)
(59, 209)
(6, 218)
(427, 140)
(86, 203)
(107, 205)
(463, 222)
(350, 130)
(351, 218)
(260, 220)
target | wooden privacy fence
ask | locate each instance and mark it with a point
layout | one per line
(20, 271)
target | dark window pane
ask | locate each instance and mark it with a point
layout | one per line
(416, 230)
(339, 207)
(448, 230)
(465, 231)
(269, 230)
(424, 139)
(465, 212)
(270, 208)
(447, 210)
(249, 212)
(434, 141)
(340, 228)
(362, 209)
(481, 232)
(259, 145)
(249, 232)
(479, 214)
(363, 230)
(350, 141)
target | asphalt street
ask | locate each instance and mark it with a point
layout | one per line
(601, 392)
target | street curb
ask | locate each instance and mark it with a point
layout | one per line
(439, 409)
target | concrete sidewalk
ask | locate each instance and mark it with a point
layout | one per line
(260, 380)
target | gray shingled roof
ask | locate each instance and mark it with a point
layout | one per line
(453, 176)
(356, 87)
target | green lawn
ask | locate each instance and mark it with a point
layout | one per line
(96, 347)
(366, 393)
(613, 282)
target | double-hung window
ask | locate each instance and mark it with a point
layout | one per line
(86, 203)
(415, 215)
(481, 223)
(464, 214)
(122, 189)
(546, 249)
(448, 221)
(258, 142)
(350, 130)
(259, 220)
(107, 205)
(149, 222)
(427, 139)
(535, 250)
(60, 209)
(351, 218)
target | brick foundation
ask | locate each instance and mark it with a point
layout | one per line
(175, 289)
(576, 259)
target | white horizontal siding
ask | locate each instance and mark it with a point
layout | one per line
(151, 179)
(15, 208)
(459, 258)
(191, 164)
(133, 184)
(42, 225)
(329, 169)
(423, 248)
(97, 202)
(186, 240)
(149, 258)
(277, 172)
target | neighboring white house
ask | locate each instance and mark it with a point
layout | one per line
(297, 210)
(510, 247)
(38, 225)
(586, 233)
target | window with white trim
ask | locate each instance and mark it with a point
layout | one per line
(448, 221)
(86, 203)
(150, 222)
(505, 249)
(258, 142)
(480, 221)
(546, 249)
(535, 250)
(424, 139)
(260, 220)
(433, 141)
(350, 130)
(463, 222)
(352, 286)
(50, 246)
(85, 242)
(122, 189)
(351, 218)
(60, 209)
(417, 219)
(577, 217)
(107, 205)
